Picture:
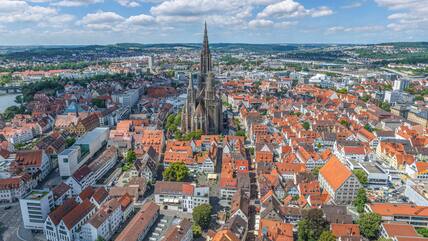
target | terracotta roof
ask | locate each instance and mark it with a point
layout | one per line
(58, 213)
(178, 232)
(86, 193)
(399, 229)
(59, 190)
(335, 173)
(175, 188)
(139, 223)
(390, 209)
(100, 195)
(275, 230)
(225, 235)
(79, 212)
(125, 201)
(29, 158)
(345, 230)
(81, 173)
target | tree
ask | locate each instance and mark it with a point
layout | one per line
(197, 230)
(422, 231)
(327, 236)
(369, 225)
(99, 103)
(99, 238)
(240, 133)
(130, 156)
(368, 127)
(361, 175)
(316, 171)
(202, 215)
(306, 125)
(176, 172)
(360, 200)
(345, 123)
(312, 225)
(70, 141)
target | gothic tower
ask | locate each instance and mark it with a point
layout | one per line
(203, 108)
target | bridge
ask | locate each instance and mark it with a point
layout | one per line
(11, 89)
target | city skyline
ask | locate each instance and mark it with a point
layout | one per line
(82, 22)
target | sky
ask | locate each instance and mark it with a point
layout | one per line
(81, 22)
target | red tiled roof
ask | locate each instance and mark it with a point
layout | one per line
(79, 212)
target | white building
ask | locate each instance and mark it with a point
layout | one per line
(338, 180)
(35, 208)
(85, 147)
(14, 188)
(180, 196)
(104, 223)
(128, 98)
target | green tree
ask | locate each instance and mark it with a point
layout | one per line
(99, 103)
(385, 106)
(361, 175)
(361, 200)
(422, 231)
(130, 156)
(369, 225)
(316, 171)
(240, 133)
(368, 127)
(197, 230)
(202, 215)
(99, 238)
(176, 172)
(327, 236)
(70, 141)
(306, 125)
(312, 225)
(345, 123)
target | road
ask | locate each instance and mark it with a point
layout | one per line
(12, 225)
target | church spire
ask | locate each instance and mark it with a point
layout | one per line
(205, 54)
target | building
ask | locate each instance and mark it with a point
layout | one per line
(14, 188)
(32, 162)
(85, 147)
(140, 224)
(339, 182)
(203, 109)
(417, 192)
(401, 212)
(35, 208)
(179, 232)
(128, 98)
(376, 176)
(105, 222)
(179, 196)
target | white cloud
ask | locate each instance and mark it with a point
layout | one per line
(409, 14)
(356, 29)
(353, 5)
(75, 3)
(290, 9)
(13, 11)
(257, 23)
(141, 19)
(128, 3)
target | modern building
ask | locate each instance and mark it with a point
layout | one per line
(376, 176)
(35, 208)
(203, 108)
(85, 147)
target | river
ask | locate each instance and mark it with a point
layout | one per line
(7, 100)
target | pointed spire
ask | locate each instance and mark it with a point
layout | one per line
(190, 86)
(205, 38)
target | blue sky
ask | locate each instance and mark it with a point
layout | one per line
(45, 22)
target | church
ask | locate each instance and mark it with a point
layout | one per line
(203, 108)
